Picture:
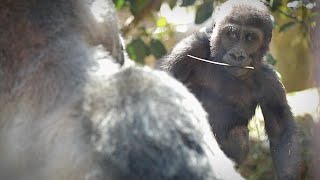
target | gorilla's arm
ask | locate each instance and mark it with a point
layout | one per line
(280, 126)
(177, 61)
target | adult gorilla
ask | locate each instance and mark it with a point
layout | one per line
(239, 81)
(69, 112)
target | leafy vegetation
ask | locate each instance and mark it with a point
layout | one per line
(150, 40)
(259, 164)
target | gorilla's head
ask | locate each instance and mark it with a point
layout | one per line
(241, 36)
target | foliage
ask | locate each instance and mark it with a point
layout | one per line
(149, 40)
(259, 165)
(294, 13)
(270, 59)
(204, 11)
(252, 168)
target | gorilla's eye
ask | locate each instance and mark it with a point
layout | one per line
(232, 32)
(251, 36)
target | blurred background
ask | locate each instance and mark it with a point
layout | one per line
(152, 27)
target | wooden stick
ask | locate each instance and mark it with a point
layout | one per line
(219, 63)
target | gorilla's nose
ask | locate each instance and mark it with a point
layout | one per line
(237, 54)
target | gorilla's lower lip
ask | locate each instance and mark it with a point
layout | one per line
(236, 71)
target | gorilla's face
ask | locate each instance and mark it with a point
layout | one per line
(240, 44)
(241, 39)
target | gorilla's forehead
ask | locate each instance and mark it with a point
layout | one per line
(254, 18)
(242, 12)
(246, 17)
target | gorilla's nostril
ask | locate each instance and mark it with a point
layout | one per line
(234, 57)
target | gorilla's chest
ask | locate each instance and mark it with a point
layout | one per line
(240, 99)
(228, 97)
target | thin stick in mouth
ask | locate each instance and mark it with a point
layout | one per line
(219, 63)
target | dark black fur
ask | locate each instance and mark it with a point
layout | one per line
(231, 100)
(68, 112)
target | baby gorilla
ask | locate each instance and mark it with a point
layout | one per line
(69, 112)
(238, 39)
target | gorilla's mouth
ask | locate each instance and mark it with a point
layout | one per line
(246, 68)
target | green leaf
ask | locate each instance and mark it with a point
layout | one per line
(138, 50)
(187, 2)
(270, 59)
(136, 6)
(157, 48)
(275, 4)
(172, 3)
(119, 3)
(314, 15)
(204, 11)
(276, 25)
(287, 26)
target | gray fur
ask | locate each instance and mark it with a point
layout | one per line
(69, 112)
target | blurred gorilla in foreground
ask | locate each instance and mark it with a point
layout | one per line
(70, 111)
